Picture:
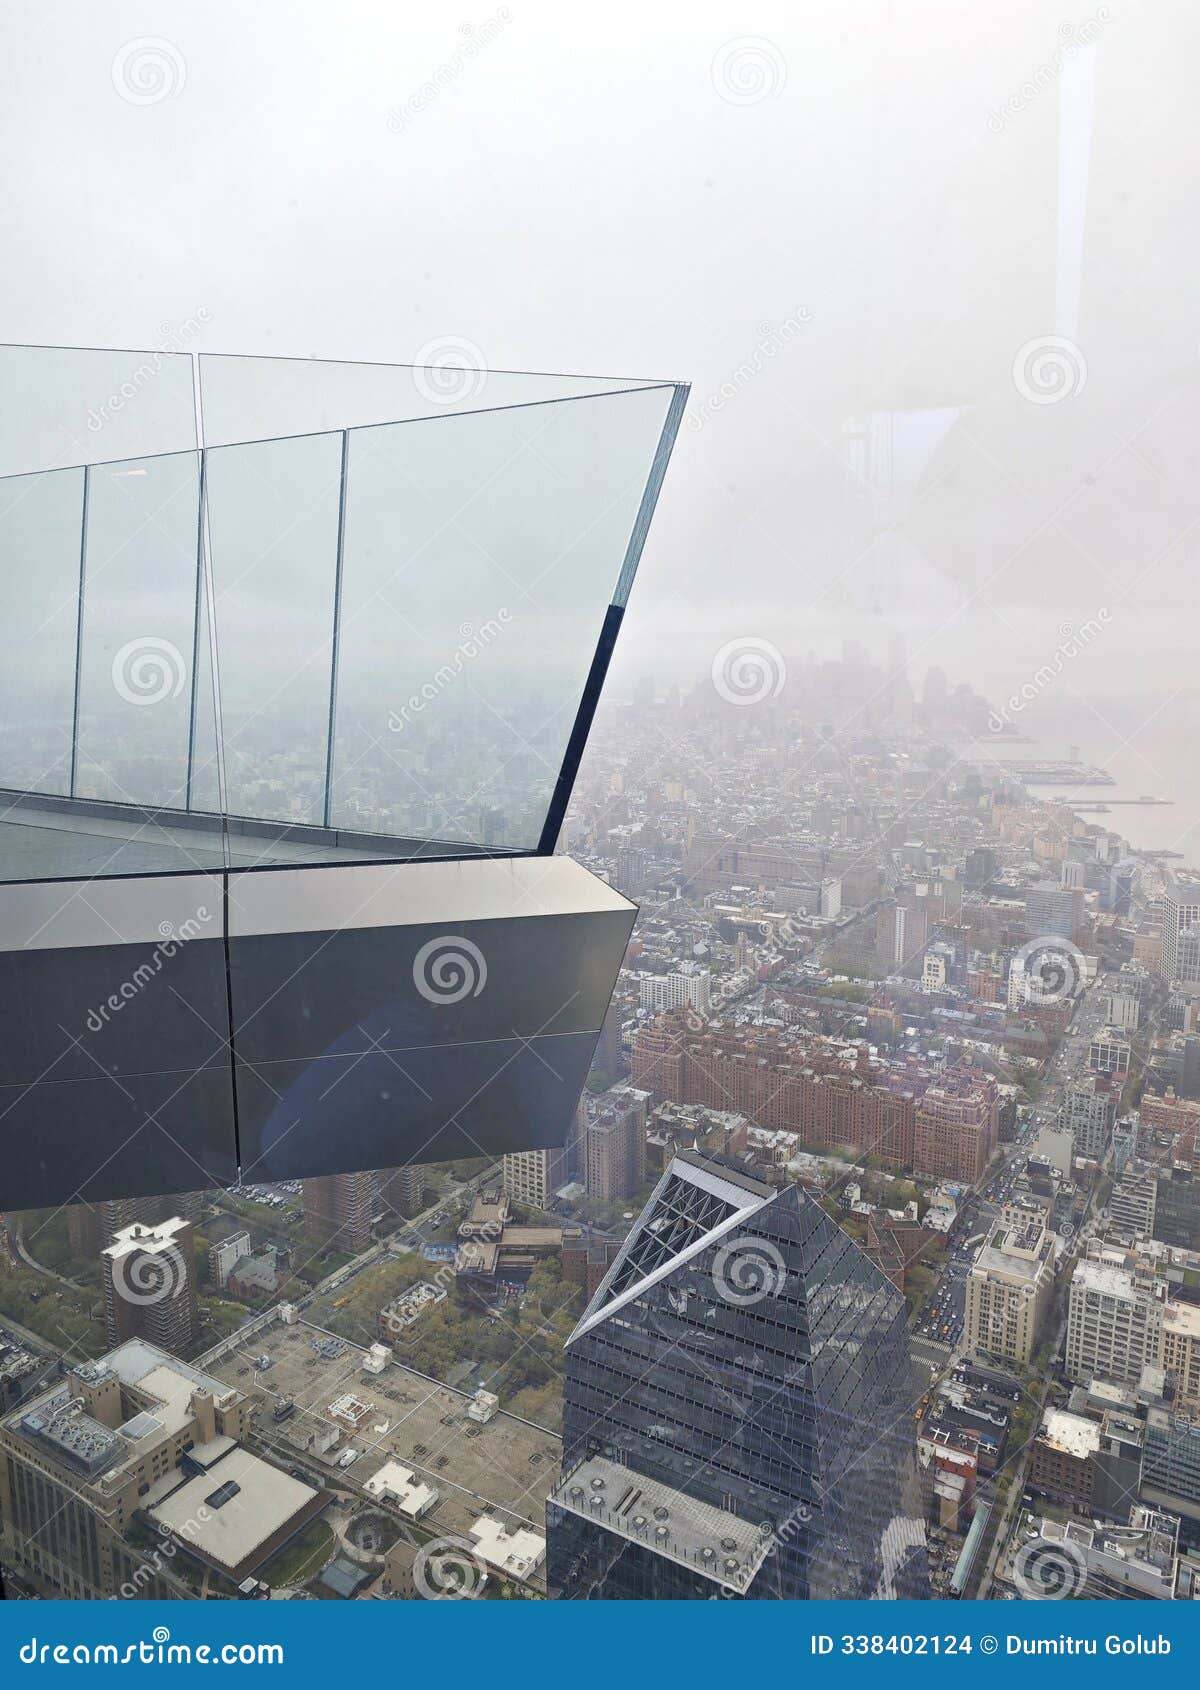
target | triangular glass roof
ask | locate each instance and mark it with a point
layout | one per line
(690, 1208)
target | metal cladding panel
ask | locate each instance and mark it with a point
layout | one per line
(142, 1135)
(164, 1030)
(114, 1074)
(452, 1012)
(336, 1113)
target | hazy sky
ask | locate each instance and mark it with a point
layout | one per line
(897, 201)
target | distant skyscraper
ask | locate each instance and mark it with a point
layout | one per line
(739, 1408)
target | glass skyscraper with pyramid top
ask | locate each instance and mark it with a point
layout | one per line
(739, 1414)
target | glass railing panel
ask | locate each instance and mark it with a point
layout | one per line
(40, 527)
(62, 406)
(481, 554)
(273, 511)
(259, 398)
(139, 628)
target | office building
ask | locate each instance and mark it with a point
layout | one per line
(1187, 960)
(148, 1276)
(1109, 1053)
(1170, 1476)
(738, 1413)
(1181, 1353)
(531, 1177)
(1123, 1011)
(664, 992)
(1177, 1206)
(1009, 1289)
(1114, 1323)
(1087, 1112)
(1133, 1200)
(224, 1256)
(1180, 914)
(140, 1449)
(1054, 912)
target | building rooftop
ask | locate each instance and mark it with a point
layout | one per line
(233, 1514)
(61, 1422)
(1183, 1319)
(135, 1359)
(1070, 1433)
(410, 1495)
(1101, 1277)
(517, 1554)
(713, 1541)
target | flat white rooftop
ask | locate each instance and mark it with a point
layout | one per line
(228, 1532)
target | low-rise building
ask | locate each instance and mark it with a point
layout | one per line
(399, 1486)
(1062, 1461)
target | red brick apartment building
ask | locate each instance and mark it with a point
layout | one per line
(831, 1096)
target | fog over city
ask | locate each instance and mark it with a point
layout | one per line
(763, 1070)
(847, 235)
